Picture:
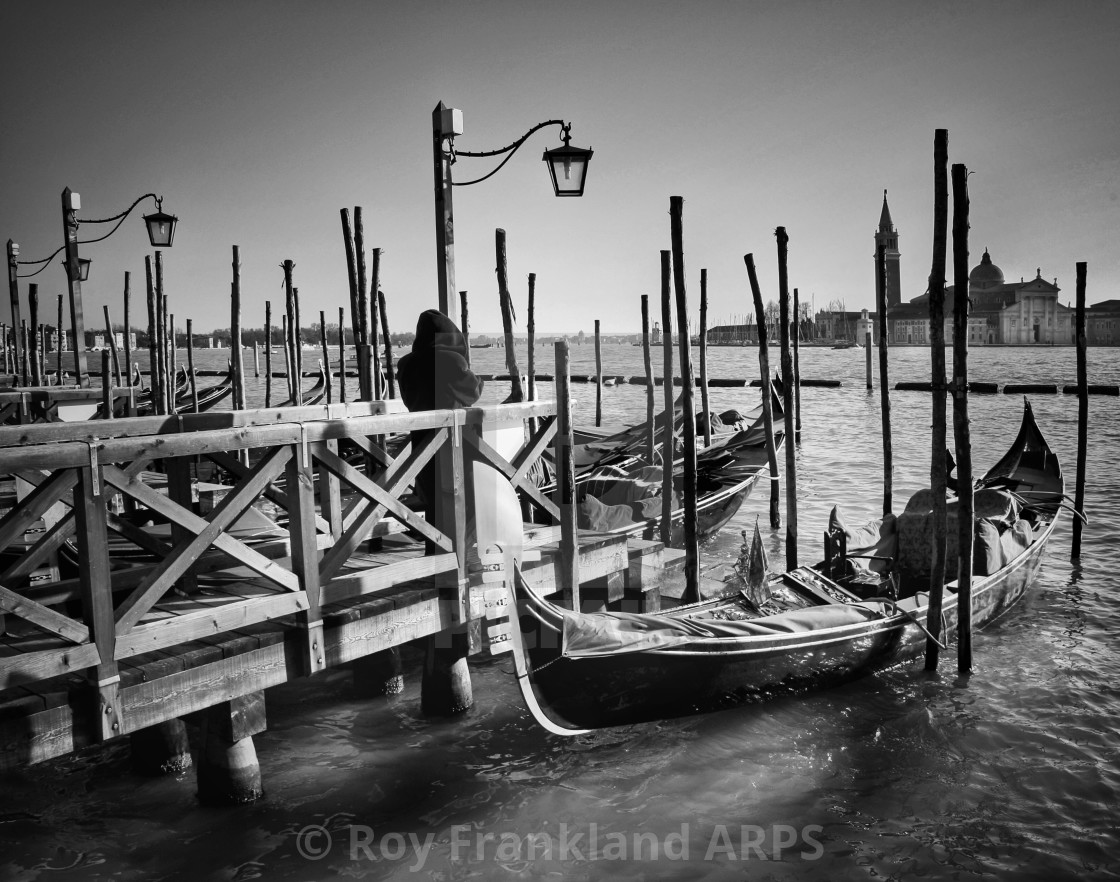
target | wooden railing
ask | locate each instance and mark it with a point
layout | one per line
(141, 590)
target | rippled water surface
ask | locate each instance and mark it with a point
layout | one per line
(1012, 773)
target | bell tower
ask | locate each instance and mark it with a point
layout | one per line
(888, 236)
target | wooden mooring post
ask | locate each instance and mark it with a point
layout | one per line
(390, 370)
(797, 364)
(295, 384)
(341, 355)
(705, 404)
(374, 305)
(153, 338)
(112, 340)
(1082, 413)
(937, 473)
(351, 273)
(517, 392)
(531, 328)
(268, 353)
(767, 392)
(884, 384)
(598, 376)
(688, 431)
(62, 337)
(464, 324)
(787, 401)
(127, 327)
(190, 365)
(668, 416)
(236, 352)
(566, 480)
(33, 309)
(326, 353)
(867, 344)
(960, 420)
(647, 363)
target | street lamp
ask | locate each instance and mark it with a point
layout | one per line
(567, 167)
(161, 233)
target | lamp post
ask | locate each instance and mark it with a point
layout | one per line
(161, 233)
(567, 168)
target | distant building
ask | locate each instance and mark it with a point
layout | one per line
(1102, 323)
(887, 237)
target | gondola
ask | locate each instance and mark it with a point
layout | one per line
(863, 609)
(313, 395)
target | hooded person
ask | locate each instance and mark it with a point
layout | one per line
(435, 375)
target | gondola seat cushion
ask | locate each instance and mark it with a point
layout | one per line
(915, 540)
(987, 550)
(875, 539)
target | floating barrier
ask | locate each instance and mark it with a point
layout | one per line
(983, 388)
(1031, 389)
(1093, 390)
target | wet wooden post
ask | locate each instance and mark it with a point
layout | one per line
(235, 333)
(228, 772)
(705, 403)
(166, 394)
(62, 340)
(884, 382)
(351, 274)
(42, 356)
(297, 342)
(463, 321)
(326, 353)
(688, 431)
(112, 345)
(517, 392)
(566, 480)
(25, 356)
(70, 205)
(190, 366)
(1082, 412)
(647, 363)
(287, 357)
(797, 364)
(33, 308)
(295, 390)
(937, 472)
(173, 362)
(341, 355)
(598, 377)
(390, 370)
(669, 416)
(162, 749)
(380, 673)
(127, 326)
(13, 294)
(153, 338)
(374, 325)
(960, 419)
(268, 353)
(531, 328)
(6, 349)
(787, 402)
(256, 359)
(361, 343)
(106, 384)
(867, 344)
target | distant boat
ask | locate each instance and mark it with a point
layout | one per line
(481, 345)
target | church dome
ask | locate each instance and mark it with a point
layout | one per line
(986, 273)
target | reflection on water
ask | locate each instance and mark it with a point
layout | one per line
(1010, 773)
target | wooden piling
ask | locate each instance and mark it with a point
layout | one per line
(787, 401)
(465, 324)
(668, 424)
(1082, 412)
(566, 481)
(767, 391)
(127, 326)
(688, 431)
(374, 325)
(797, 365)
(61, 339)
(884, 383)
(190, 366)
(153, 338)
(106, 384)
(390, 370)
(598, 376)
(446, 686)
(960, 420)
(326, 353)
(287, 358)
(268, 353)
(362, 305)
(162, 749)
(937, 360)
(341, 355)
(295, 384)
(647, 363)
(112, 345)
(380, 673)
(867, 343)
(531, 328)
(705, 404)
(256, 359)
(24, 355)
(517, 393)
(351, 273)
(235, 332)
(167, 392)
(297, 341)
(40, 353)
(33, 308)
(173, 361)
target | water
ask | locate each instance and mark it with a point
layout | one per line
(1012, 773)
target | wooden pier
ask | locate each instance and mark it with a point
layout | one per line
(310, 553)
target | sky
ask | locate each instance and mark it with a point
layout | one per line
(258, 121)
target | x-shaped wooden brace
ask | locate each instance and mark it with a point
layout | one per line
(517, 470)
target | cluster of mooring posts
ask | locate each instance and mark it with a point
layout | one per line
(161, 569)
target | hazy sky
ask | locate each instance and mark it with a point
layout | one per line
(258, 121)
